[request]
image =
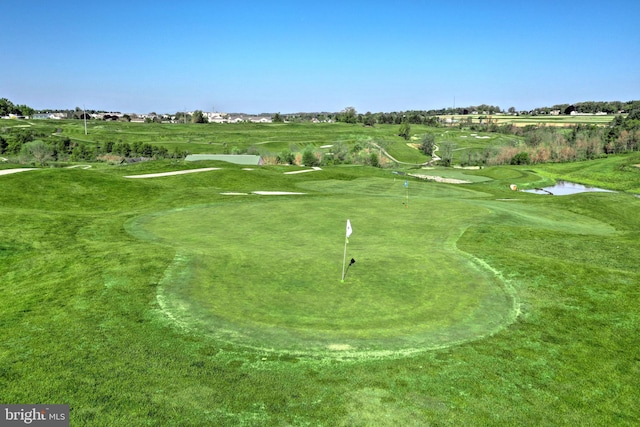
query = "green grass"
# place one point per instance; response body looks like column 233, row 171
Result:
column 616, row 172
column 216, row 138
column 162, row 302
column 282, row 287
column 269, row 139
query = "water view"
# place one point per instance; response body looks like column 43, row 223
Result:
column 563, row 188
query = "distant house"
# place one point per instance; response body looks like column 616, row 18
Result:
column 236, row 119
column 44, row 116
column 261, row 119
column 239, row 159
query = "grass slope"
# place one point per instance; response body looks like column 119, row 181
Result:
column 82, row 324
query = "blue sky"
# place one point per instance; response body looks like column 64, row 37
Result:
column 254, row 57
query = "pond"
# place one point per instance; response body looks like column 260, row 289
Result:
column 563, row 188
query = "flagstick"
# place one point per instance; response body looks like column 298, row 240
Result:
column 344, row 260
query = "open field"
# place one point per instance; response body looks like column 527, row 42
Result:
column 165, row 301
column 545, row 119
column 272, row 139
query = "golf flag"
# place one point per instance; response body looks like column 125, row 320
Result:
column 406, row 186
column 346, row 240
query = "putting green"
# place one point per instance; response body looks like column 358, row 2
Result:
column 265, row 273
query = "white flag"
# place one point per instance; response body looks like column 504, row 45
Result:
column 349, row 230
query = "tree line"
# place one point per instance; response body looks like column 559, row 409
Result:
column 37, row 147
column 543, row 144
column 432, row 117
column 349, row 114
column 7, row 107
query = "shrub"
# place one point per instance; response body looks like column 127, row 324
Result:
column 286, row 157
column 373, row 160
column 522, row 158
column 309, row 157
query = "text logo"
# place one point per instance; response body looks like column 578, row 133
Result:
column 34, row 415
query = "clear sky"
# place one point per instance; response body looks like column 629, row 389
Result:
column 293, row 56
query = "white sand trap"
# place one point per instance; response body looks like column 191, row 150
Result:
column 155, row 175
column 275, row 193
column 483, row 137
column 247, row 169
column 313, row 169
column 440, row 179
column 302, row 171
column 234, row 194
column 79, row 166
column 326, row 146
column 8, row 171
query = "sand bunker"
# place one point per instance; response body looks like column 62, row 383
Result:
column 8, row 171
column 313, row 169
column 441, row 179
column 182, row 172
column 261, row 193
column 275, row 193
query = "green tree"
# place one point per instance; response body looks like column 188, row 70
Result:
column 277, row 118
column 368, row 119
column 521, row 158
column 82, row 152
column 25, row 135
column 427, row 144
column 405, row 130
column 63, row 147
column 3, row 145
column 6, row 107
column 447, row 148
column 348, row 115
column 199, row 117
column 25, row 110
column 38, row 150
column 309, row 157
column 286, row 157
column 374, row 160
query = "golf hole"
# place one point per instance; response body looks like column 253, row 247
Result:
column 267, row 275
